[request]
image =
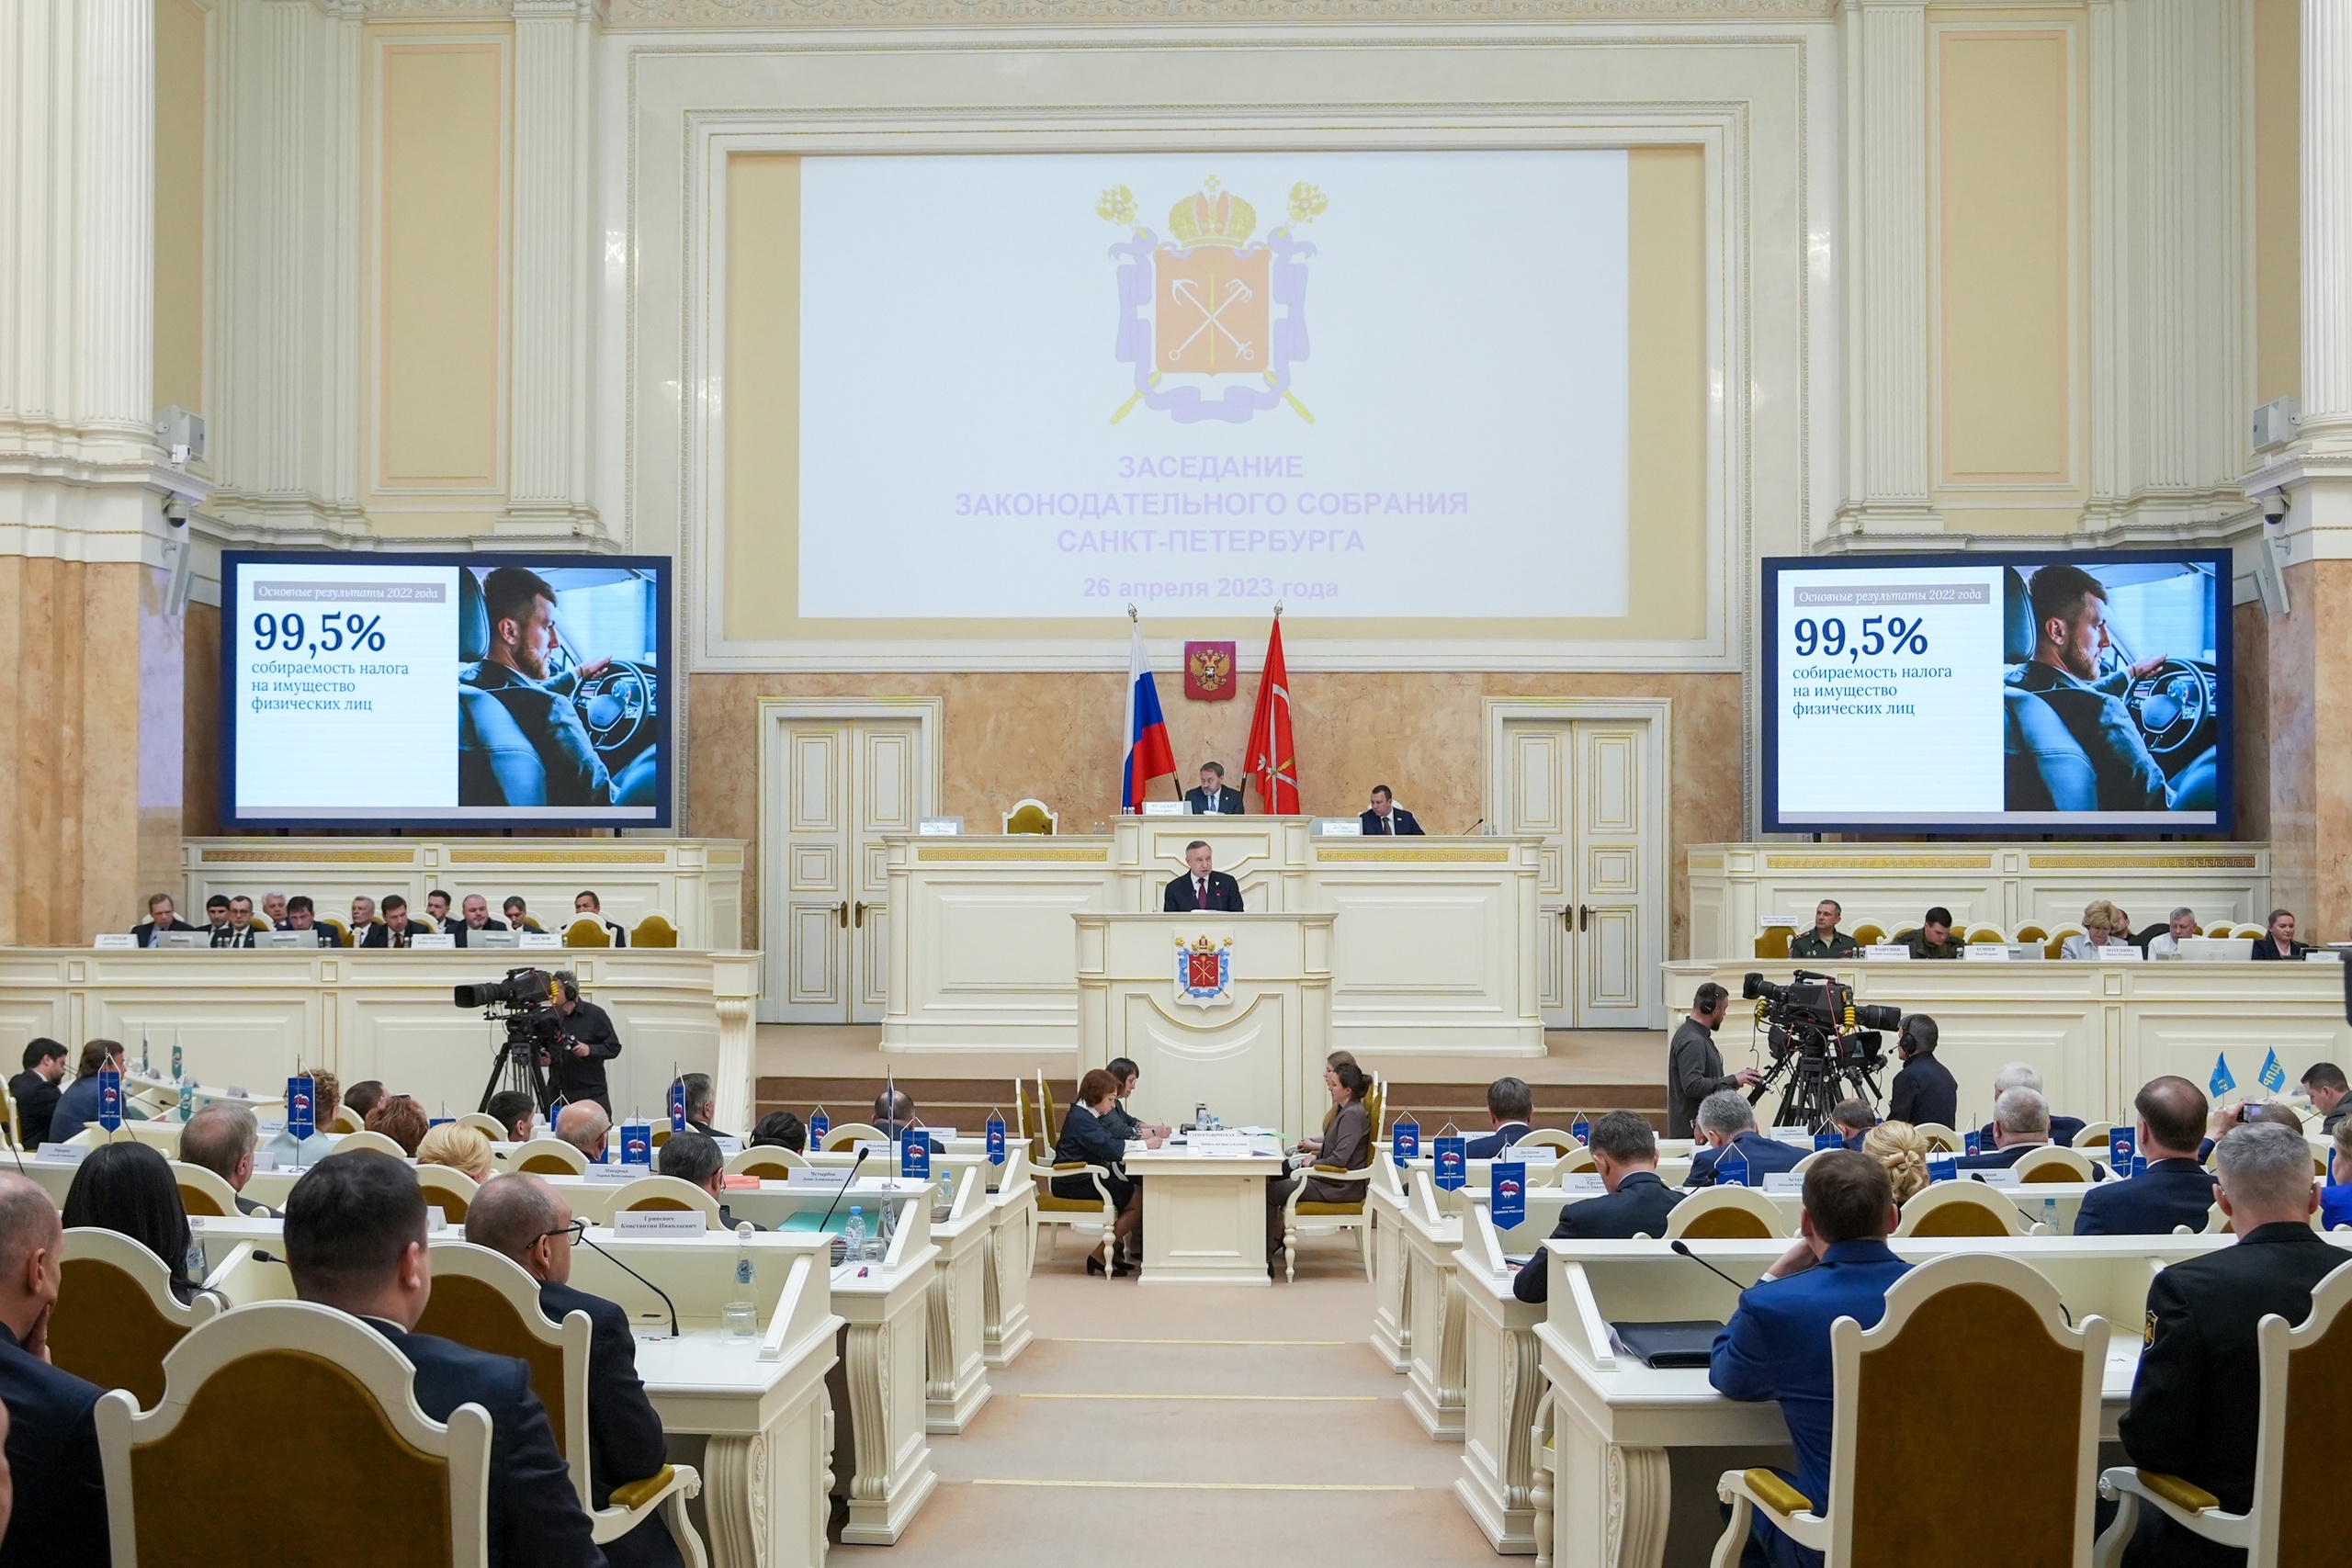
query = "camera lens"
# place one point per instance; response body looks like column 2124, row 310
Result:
column 1878, row 1017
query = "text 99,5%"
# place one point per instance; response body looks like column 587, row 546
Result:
column 335, row 633
column 1880, row 634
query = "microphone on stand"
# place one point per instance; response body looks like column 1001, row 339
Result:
column 642, row 1280
column 1679, row 1246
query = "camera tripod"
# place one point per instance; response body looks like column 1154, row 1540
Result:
column 515, row 1066
column 1817, row 1084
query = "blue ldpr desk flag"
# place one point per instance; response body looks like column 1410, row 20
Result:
column 2273, row 1076
column 2222, row 1082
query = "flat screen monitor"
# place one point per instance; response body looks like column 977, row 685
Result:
column 445, row 691
column 2028, row 692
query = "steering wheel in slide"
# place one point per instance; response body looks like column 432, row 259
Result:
column 2171, row 705
column 613, row 703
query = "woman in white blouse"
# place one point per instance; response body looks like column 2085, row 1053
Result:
column 2102, row 923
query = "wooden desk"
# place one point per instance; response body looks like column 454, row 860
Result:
column 1010, row 1249
column 1204, row 1216
column 1612, row 1421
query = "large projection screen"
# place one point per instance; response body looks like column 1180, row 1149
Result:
column 2077, row 691
column 1370, row 385
column 445, row 691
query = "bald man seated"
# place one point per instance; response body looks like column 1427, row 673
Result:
column 528, row 1220
column 583, row 1125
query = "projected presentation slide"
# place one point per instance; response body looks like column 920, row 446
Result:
column 1364, row 384
column 446, row 690
column 1981, row 693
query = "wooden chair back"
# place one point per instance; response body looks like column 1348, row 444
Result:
column 116, row 1318
column 654, row 930
column 203, row 1193
column 488, row 1301
column 1961, row 1208
column 1715, row 1213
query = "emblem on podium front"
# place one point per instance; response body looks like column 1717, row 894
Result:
column 1204, row 971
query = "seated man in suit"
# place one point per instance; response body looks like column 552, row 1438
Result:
column 2021, row 1074
column 894, row 1111
column 395, row 929
column 1777, row 1345
column 1201, row 887
column 518, row 914
column 477, row 918
column 35, row 1089
column 1510, row 1106
column 160, row 918
column 362, row 921
column 589, row 904
column 695, row 1159
column 1727, row 1121
column 301, row 915
column 78, row 1106
column 216, row 921
column 2195, row 1408
column 2324, row 1086
column 2180, row 927
column 1624, row 1150
column 512, row 1111
column 60, row 1513
column 1387, row 818
column 354, row 1241
column 222, row 1138
column 586, row 1126
column 1853, row 1120
column 1213, row 799
column 2175, row 1190
column 2021, row 1121
column 702, row 1100
column 524, row 1218
column 2279, row 941
column 363, row 1097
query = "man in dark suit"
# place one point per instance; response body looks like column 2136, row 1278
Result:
column 78, row 1106
column 241, row 930
column 60, row 1514
column 1925, row 1089
column 354, row 1241
column 222, row 1138
column 301, row 915
column 1777, row 1345
column 36, row 1090
column 1388, row 820
column 477, row 918
column 1853, row 1121
column 1213, row 799
column 2021, row 1123
column 216, row 921
column 2022, row 1075
column 1201, row 887
column 2175, row 1190
column 2195, row 1403
column 1624, row 1150
column 528, row 1221
column 2324, row 1086
column 696, row 1160
column 1727, row 1121
column 894, row 1112
column 702, row 1100
column 1510, row 1104
column 2279, row 942
column 578, row 1059
column 160, row 918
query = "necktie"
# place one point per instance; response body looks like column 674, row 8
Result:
column 1201, row 892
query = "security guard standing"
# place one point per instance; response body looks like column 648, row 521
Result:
column 576, row 1061
column 1824, row 941
column 2196, row 1403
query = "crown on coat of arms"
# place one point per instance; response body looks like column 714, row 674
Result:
column 1212, row 217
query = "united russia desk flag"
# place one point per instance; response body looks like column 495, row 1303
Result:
column 1148, row 755
column 1271, row 761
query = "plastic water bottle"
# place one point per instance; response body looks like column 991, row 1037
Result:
column 853, row 1235
column 195, row 1253
column 2050, row 1216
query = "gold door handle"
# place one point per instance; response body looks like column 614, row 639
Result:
column 1584, row 918
column 1569, row 917
column 841, row 912
column 861, row 915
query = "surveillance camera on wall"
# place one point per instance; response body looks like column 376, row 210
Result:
column 2274, row 504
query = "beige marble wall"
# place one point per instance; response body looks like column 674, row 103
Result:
column 1055, row 737
column 91, row 747
column 2308, row 669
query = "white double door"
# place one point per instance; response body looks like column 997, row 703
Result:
column 1589, row 787
column 826, row 918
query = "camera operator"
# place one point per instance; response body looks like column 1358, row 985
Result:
column 1694, row 1068
column 1925, row 1089
column 586, row 1042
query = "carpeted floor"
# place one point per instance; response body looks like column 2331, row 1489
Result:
column 1183, row 1425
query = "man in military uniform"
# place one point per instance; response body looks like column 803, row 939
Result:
column 1934, row 938
column 2196, row 1403
column 521, row 605
column 1824, row 941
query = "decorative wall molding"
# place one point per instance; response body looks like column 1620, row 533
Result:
column 666, row 14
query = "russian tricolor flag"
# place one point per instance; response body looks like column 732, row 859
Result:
column 1148, row 755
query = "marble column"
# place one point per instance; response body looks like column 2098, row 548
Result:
column 90, row 717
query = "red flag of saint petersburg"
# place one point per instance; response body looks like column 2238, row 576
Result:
column 1148, row 755
column 1272, row 763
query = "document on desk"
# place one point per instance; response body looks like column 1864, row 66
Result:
column 1661, row 1346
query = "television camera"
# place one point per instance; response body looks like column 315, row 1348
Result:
column 524, row 1004
column 1824, row 1045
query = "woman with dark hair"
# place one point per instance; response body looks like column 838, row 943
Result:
column 781, row 1129
column 127, row 1188
column 1089, row 1137
column 1346, row 1144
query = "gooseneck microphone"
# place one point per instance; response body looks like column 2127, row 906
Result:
column 846, row 1185
column 1679, row 1247
column 642, row 1280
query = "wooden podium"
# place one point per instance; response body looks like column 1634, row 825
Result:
column 1252, row 1049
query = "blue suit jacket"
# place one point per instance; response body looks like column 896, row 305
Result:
column 76, row 1108
column 1490, row 1145
column 625, row 1439
column 2336, row 1206
column 1764, row 1156
column 61, row 1510
column 2171, row 1192
column 1777, row 1347
column 535, row 1516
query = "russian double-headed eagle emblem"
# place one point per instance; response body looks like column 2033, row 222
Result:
column 1210, row 300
